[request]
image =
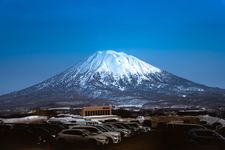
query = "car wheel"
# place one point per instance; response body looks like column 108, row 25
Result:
column 60, row 143
column 92, row 142
column 110, row 141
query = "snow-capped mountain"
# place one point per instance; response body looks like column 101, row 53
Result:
column 110, row 77
column 108, row 68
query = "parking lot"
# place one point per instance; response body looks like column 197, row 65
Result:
column 63, row 133
column 157, row 140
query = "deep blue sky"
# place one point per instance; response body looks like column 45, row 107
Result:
column 41, row 38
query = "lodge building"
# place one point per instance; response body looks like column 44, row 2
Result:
column 96, row 111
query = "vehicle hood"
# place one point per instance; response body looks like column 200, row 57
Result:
column 111, row 133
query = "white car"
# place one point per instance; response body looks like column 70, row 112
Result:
column 114, row 137
column 70, row 121
column 78, row 136
column 62, row 120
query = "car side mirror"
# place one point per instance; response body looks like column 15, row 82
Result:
column 84, row 135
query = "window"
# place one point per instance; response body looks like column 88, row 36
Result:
column 73, row 132
column 102, row 129
column 206, row 133
column 93, row 130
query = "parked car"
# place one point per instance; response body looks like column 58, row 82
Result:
column 124, row 132
column 114, row 137
column 180, row 130
column 221, row 131
column 43, row 135
column 81, row 136
column 57, row 127
column 119, row 128
column 51, row 130
column 66, row 121
column 205, row 136
column 184, row 126
column 133, row 130
column 141, row 128
column 19, row 136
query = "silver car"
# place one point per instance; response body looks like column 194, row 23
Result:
column 125, row 132
column 114, row 137
column 81, row 136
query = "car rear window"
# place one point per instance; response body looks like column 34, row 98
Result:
column 73, row 132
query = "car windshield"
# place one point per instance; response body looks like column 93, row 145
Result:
column 102, row 129
column 126, row 126
column 108, row 128
column 90, row 133
column 119, row 126
column 133, row 125
column 207, row 133
column 90, row 129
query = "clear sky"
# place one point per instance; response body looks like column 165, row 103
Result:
column 41, row 38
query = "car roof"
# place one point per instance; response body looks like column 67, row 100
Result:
column 186, row 124
column 176, row 123
column 74, row 130
column 193, row 130
column 80, row 126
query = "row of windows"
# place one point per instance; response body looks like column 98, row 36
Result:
column 97, row 112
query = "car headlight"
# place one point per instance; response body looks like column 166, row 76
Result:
column 114, row 136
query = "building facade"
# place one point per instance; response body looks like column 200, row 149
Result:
column 96, row 111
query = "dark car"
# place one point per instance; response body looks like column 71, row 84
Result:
column 182, row 128
column 205, row 136
column 133, row 130
column 179, row 131
column 221, row 131
column 43, row 135
column 19, row 136
column 142, row 129
column 52, row 130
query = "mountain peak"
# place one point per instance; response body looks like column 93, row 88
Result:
column 109, row 52
column 115, row 78
column 118, row 64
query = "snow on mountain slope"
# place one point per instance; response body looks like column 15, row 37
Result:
column 116, row 78
column 107, row 71
column 116, row 64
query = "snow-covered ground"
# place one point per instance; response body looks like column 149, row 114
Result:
column 28, row 119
